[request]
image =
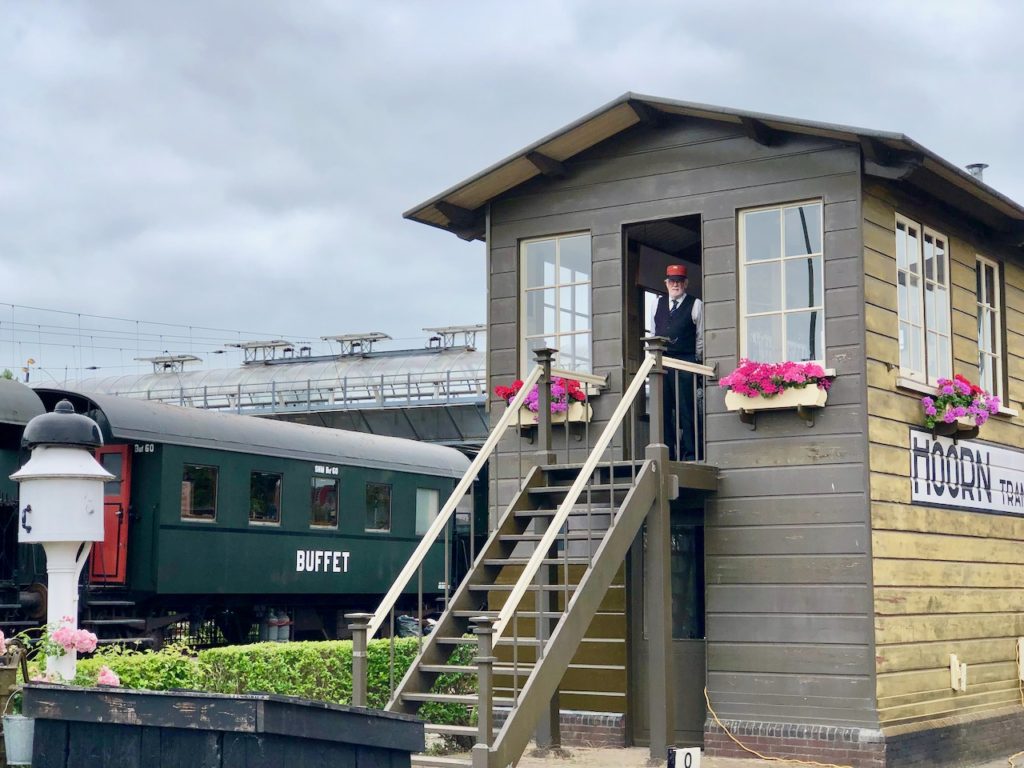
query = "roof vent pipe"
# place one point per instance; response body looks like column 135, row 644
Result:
column 977, row 170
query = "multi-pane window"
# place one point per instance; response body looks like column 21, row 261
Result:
column 556, row 300
column 428, row 504
column 990, row 364
column 922, row 280
column 323, row 503
column 198, row 493
column 265, row 497
column 378, row 507
column 783, row 289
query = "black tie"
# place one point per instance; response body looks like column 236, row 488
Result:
column 675, row 305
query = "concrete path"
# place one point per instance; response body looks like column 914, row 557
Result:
column 637, row 757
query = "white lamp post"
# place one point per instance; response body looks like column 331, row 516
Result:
column 61, row 507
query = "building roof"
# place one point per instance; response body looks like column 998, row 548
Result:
column 888, row 155
column 145, row 421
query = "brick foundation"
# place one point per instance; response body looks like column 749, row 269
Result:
column 958, row 740
column 857, row 747
column 585, row 729
column 961, row 740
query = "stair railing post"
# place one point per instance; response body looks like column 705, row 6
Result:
column 484, row 631
column 658, row 575
column 656, row 347
column 544, row 455
column 549, row 733
column 359, row 623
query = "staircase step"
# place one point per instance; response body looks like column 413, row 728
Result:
column 494, row 614
column 547, row 490
column 448, row 669
column 450, row 730
column 472, row 641
column 437, row 761
column 578, row 514
column 454, row 698
column 500, row 561
column 109, row 603
column 572, row 536
column 125, row 641
column 510, row 587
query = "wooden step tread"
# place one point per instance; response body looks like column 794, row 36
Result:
column 448, row 669
column 542, row 490
column 498, row 561
column 510, row 587
column 438, row 761
column 572, row 536
column 450, row 730
column 494, row 614
column 454, row 698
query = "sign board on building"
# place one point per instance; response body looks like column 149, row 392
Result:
column 965, row 474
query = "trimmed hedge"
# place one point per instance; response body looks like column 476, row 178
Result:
column 320, row 671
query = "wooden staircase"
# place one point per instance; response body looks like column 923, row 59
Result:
column 574, row 576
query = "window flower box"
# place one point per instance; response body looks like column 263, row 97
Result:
column 568, row 402
column 575, row 412
column 958, row 409
column 757, row 387
column 790, row 399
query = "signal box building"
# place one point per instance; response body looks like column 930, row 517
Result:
column 849, row 584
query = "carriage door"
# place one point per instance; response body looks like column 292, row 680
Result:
column 109, row 557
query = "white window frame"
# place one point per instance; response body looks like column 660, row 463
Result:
column 525, row 361
column 921, row 321
column 992, row 304
column 742, row 274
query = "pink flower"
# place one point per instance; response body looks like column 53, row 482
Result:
column 85, row 641
column 107, row 676
column 64, row 636
column 3, row 644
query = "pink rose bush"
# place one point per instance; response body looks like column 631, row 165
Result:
column 107, row 676
column 61, row 638
column 958, row 398
column 768, row 379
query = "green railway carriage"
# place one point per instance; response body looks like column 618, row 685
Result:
column 237, row 519
column 18, row 404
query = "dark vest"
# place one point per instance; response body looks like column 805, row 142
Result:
column 678, row 327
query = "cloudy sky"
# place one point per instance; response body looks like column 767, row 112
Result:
column 244, row 165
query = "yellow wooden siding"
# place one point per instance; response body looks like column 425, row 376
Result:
column 946, row 581
column 596, row 678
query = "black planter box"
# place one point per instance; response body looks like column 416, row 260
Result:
column 115, row 727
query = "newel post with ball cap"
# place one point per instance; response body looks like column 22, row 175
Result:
column 61, row 507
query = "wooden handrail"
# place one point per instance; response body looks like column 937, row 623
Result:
column 601, row 382
column 546, row 542
column 683, row 365
column 427, row 541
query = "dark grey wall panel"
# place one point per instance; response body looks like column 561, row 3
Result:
column 795, row 569
column 802, row 658
column 773, row 598
column 787, row 566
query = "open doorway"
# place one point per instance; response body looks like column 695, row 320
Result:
column 649, row 247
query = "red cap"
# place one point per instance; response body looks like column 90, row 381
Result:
column 675, row 272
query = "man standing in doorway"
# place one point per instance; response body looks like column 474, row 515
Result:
column 679, row 317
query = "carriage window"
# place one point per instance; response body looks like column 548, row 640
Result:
column 265, row 497
column 113, row 463
column 378, row 507
column 198, row 493
column 427, row 505
column 324, row 503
